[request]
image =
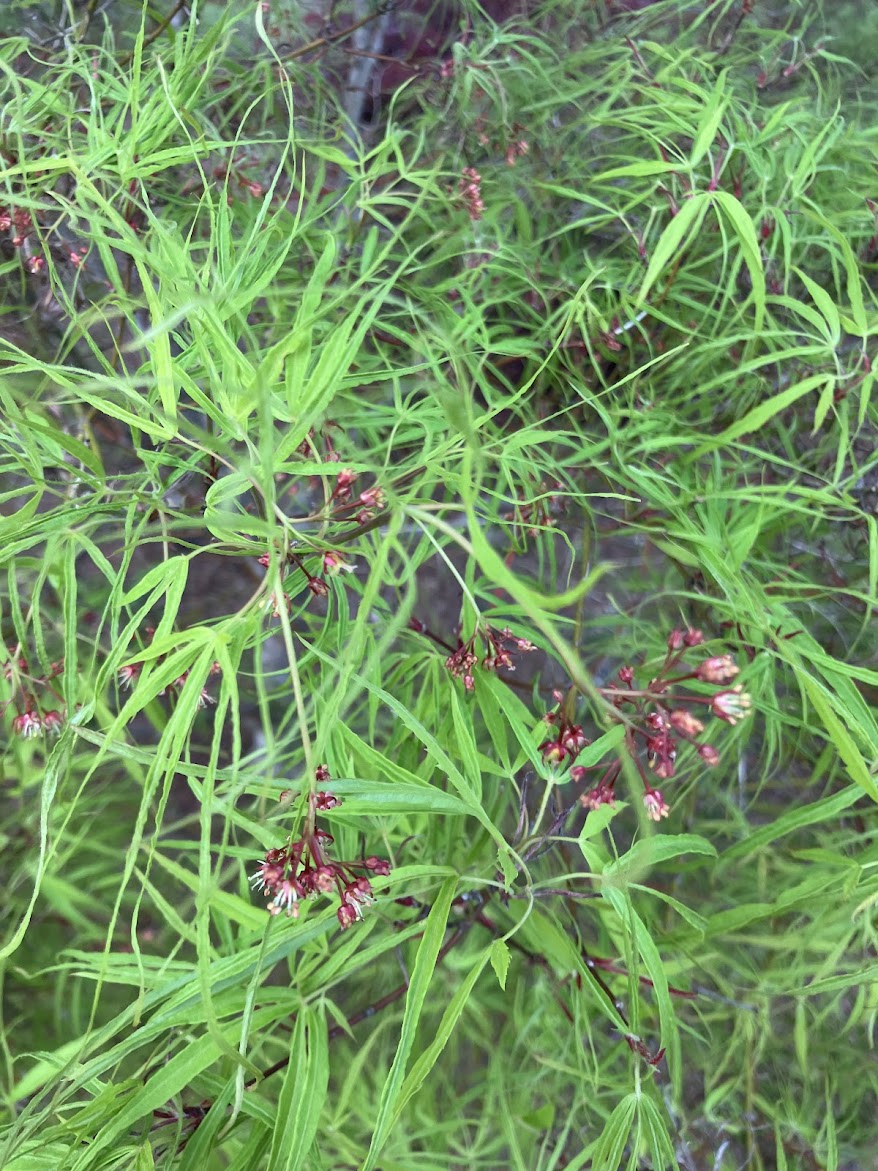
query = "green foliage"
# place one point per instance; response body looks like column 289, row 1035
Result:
column 305, row 418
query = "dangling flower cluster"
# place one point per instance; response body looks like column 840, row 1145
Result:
column 369, row 501
column 658, row 723
column 343, row 505
column 19, row 223
column 303, row 869
column 32, row 698
column 463, row 661
column 499, row 645
column 279, row 600
column 469, row 188
column 568, row 741
column 372, row 501
column 332, row 563
column 344, row 482
column 22, row 226
column 130, row 673
column 516, row 149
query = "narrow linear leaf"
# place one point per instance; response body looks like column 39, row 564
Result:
column 671, row 243
column 302, row 1094
column 745, row 230
column 652, row 961
column 173, row 1077
column 648, row 852
column 841, row 738
column 422, row 976
column 425, row 1063
column 760, row 415
column 614, row 1139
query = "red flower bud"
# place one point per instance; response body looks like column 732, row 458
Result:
column 346, row 915
column 685, row 723
column 719, row 669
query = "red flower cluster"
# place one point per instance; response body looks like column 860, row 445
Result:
column 369, row 501
column 516, row 150
column 469, row 188
column 500, row 645
column 567, row 744
column 656, row 721
column 21, row 227
column 303, row 869
column 332, row 564
column 36, row 714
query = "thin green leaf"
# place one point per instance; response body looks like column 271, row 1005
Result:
column 421, row 978
column 673, row 241
column 303, row 1093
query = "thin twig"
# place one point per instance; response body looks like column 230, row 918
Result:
column 330, row 38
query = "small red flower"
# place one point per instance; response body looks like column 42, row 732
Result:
column 347, row 916
column 598, row 796
column 271, row 871
column 53, row 723
column 359, row 892
column 553, row 751
column 372, row 497
column 656, row 806
column 685, row 723
column 732, row 705
column 334, row 563
column 129, row 673
column 28, row 725
column 324, row 801
column 708, row 754
column 204, row 700
column 574, row 739
column 719, row 669
column 288, row 892
column 323, row 880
